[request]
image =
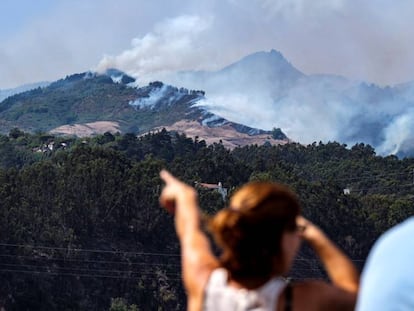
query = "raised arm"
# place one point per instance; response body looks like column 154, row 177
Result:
column 339, row 267
column 197, row 258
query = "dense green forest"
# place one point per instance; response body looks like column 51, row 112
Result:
column 81, row 227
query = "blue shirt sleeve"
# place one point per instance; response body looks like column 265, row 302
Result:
column 387, row 281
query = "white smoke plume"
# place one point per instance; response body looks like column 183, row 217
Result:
column 264, row 91
column 175, row 44
column 399, row 136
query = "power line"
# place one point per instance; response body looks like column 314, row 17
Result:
column 111, row 262
column 89, row 261
column 126, row 263
column 81, row 275
column 90, row 250
column 72, row 269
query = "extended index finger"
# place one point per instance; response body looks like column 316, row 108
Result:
column 166, row 176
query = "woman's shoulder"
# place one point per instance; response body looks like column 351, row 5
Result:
column 300, row 295
column 318, row 295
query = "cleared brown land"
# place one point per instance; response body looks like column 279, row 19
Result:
column 226, row 134
column 87, row 129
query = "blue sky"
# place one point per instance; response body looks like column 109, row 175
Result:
column 44, row 40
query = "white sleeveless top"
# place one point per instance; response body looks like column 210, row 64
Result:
column 220, row 296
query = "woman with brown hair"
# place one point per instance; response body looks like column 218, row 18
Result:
column 259, row 235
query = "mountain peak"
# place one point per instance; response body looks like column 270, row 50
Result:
column 264, row 56
column 276, row 55
column 269, row 64
column 272, row 54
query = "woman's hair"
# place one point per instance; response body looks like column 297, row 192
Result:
column 250, row 230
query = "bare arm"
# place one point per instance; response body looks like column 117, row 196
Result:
column 339, row 267
column 319, row 295
column 197, row 258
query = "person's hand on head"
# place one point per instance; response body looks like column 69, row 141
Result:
column 309, row 231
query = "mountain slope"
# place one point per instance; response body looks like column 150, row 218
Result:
column 89, row 103
column 261, row 91
column 9, row 92
column 256, row 72
column 77, row 98
column 264, row 90
column 228, row 134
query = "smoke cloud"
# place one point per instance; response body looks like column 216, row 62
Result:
column 175, row 44
column 321, row 36
column 359, row 39
column 264, row 91
column 398, row 135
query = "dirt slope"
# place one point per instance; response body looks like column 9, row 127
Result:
column 87, row 129
column 227, row 134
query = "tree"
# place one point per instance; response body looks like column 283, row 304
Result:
column 120, row 304
column 15, row 133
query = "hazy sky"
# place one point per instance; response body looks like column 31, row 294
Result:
column 45, row 40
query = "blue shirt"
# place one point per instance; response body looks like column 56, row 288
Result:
column 387, row 281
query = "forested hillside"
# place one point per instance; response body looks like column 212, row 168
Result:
column 81, row 227
column 89, row 97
